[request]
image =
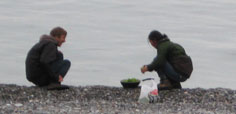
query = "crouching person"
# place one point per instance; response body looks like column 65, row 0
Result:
column 172, row 63
column 45, row 65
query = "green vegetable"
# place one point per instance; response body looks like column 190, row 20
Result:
column 131, row 80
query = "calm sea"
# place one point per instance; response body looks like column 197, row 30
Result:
column 107, row 39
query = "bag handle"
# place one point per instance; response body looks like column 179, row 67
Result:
column 148, row 79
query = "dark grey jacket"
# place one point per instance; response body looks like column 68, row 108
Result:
column 39, row 58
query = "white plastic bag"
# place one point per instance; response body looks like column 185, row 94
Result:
column 149, row 91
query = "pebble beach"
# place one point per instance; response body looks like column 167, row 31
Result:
column 113, row 100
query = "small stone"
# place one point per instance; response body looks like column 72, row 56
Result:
column 18, row 104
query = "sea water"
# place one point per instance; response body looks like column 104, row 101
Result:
column 107, row 39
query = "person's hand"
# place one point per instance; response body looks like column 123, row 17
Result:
column 60, row 78
column 144, row 69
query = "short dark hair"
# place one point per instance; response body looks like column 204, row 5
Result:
column 156, row 35
column 58, row 31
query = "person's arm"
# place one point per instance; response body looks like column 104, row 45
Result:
column 48, row 55
column 160, row 60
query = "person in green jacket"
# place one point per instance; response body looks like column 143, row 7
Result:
column 172, row 63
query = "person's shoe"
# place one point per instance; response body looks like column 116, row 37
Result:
column 176, row 85
column 165, row 85
column 57, row 86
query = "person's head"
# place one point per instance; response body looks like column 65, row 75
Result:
column 155, row 36
column 59, row 34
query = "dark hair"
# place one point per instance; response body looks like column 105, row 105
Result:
column 156, row 35
column 58, row 31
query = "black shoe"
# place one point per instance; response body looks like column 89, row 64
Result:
column 177, row 85
column 57, row 86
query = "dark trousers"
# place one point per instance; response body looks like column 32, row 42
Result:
column 168, row 72
column 59, row 67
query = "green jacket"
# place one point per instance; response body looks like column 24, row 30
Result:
column 169, row 51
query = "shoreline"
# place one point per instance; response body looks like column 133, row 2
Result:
column 107, row 99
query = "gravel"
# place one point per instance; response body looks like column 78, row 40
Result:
column 113, row 100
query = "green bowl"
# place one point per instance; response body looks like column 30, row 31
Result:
column 130, row 84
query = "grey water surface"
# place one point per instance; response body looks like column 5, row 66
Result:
column 107, row 39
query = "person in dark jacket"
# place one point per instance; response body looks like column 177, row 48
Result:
column 45, row 65
column 172, row 63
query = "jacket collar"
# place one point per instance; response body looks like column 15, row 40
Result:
column 48, row 38
column 162, row 40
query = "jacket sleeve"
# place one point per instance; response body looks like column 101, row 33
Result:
column 48, row 55
column 159, row 60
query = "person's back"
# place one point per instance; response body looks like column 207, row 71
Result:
column 45, row 65
column 35, row 59
column 173, row 49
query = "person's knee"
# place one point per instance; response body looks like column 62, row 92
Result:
column 67, row 63
column 60, row 56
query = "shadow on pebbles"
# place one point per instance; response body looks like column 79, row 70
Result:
column 113, row 100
